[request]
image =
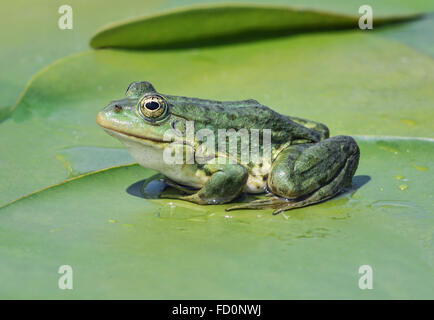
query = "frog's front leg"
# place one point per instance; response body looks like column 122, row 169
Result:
column 309, row 173
column 225, row 183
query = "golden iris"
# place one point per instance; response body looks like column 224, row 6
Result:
column 152, row 106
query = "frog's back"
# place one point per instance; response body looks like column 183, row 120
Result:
column 249, row 114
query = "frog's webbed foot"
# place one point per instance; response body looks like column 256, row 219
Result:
column 282, row 204
column 269, row 203
column 273, row 202
column 307, row 174
column 186, row 195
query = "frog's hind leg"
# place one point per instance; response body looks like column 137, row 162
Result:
column 320, row 128
column 309, row 173
column 312, row 173
column 326, row 192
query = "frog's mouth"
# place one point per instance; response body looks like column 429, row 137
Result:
column 123, row 135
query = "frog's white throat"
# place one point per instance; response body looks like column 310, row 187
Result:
column 149, row 154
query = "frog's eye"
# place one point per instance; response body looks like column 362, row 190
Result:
column 152, row 107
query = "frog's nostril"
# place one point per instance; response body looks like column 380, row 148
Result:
column 117, row 108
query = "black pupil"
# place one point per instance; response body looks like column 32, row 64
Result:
column 152, row 105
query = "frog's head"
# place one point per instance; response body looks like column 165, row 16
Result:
column 143, row 116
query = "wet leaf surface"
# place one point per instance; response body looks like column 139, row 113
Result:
column 89, row 212
column 355, row 86
column 124, row 246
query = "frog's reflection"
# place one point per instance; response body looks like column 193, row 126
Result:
column 149, row 188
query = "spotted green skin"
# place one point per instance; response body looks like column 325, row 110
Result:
column 306, row 166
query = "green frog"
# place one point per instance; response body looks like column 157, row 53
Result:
column 303, row 165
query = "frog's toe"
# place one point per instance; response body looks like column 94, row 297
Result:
column 190, row 198
column 270, row 202
column 289, row 206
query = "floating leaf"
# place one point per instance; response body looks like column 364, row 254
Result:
column 219, row 24
column 35, row 40
column 359, row 84
column 123, row 246
column 417, row 34
column 23, row 56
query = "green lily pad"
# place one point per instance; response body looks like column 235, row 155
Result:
column 21, row 56
column 35, row 40
column 355, row 86
column 416, row 34
column 123, row 246
column 220, row 24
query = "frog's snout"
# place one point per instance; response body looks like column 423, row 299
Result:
column 103, row 118
column 99, row 117
column 116, row 114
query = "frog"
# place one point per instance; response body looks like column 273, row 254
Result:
column 304, row 166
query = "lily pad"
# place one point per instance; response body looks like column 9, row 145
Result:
column 21, row 56
column 416, row 34
column 220, row 24
column 123, row 246
column 88, row 213
column 354, row 82
column 35, row 40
